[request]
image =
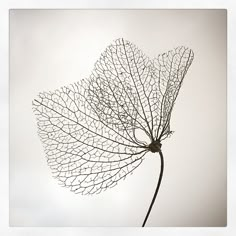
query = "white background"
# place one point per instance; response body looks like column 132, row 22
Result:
column 117, row 231
column 49, row 49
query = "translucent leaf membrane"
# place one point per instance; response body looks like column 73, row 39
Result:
column 170, row 69
column 89, row 129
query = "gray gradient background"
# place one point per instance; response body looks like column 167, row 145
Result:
column 49, row 49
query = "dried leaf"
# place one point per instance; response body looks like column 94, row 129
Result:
column 90, row 129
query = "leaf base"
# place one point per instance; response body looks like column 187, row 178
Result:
column 155, row 146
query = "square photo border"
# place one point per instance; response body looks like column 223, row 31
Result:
column 231, row 113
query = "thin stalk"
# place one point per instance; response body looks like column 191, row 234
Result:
column 157, row 188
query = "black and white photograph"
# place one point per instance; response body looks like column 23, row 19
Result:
column 118, row 117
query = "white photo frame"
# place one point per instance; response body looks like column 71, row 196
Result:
column 229, row 230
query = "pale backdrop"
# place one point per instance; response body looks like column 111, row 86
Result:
column 49, row 49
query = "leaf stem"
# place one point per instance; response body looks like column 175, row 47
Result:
column 157, row 188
